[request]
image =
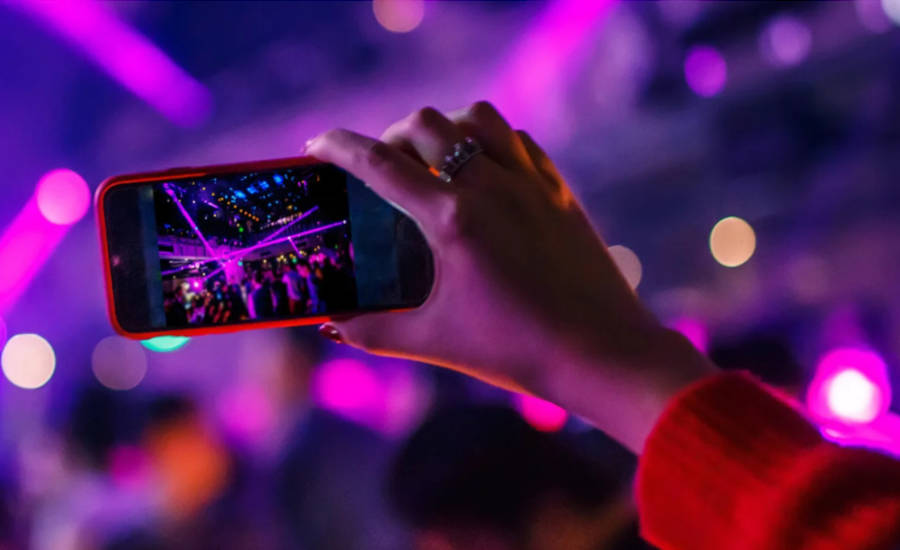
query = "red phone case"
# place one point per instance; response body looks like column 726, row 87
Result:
column 160, row 175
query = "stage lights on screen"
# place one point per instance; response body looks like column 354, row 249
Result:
column 28, row 361
column 119, row 363
column 705, row 70
column 165, row 343
column 732, row 241
column 399, row 16
column 628, row 263
column 63, row 197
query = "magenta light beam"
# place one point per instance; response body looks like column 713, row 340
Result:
column 25, row 246
column 529, row 89
column 126, row 55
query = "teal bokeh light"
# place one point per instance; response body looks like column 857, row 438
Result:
column 165, row 343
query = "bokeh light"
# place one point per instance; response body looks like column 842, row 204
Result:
column 705, row 70
column 892, row 10
column 852, row 396
column 28, row 361
column 246, row 412
column 399, row 15
column 785, row 41
column 63, row 197
column 165, row 343
column 851, row 385
column 872, row 15
column 542, row 415
column 348, row 387
column 732, row 241
column 694, row 330
column 628, row 263
column 119, row 363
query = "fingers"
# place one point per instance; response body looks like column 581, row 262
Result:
column 482, row 121
column 427, row 132
column 389, row 172
column 539, row 158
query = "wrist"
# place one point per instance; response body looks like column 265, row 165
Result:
column 623, row 391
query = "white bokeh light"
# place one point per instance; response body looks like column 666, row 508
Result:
column 852, row 396
column 28, row 361
column 892, row 10
column 628, row 263
column 399, row 15
column 732, row 241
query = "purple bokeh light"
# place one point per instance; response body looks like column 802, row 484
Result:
column 705, row 70
column 785, row 41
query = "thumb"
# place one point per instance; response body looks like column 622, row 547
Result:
column 388, row 333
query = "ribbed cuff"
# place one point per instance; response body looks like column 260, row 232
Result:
column 723, row 437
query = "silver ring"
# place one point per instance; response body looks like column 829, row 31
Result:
column 463, row 151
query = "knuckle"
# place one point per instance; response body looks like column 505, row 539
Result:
column 426, row 118
column 376, row 155
column 483, row 110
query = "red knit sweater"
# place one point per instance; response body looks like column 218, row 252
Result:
column 729, row 466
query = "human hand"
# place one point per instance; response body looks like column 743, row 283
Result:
column 526, row 295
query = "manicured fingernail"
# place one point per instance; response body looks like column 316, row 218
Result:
column 333, row 334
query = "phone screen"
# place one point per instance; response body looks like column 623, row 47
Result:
column 247, row 247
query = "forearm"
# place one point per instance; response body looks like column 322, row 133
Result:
column 624, row 393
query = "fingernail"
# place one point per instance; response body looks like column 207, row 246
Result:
column 307, row 144
column 333, row 334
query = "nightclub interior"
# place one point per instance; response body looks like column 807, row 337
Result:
column 740, row 159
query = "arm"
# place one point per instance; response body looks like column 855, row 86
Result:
column 534, row 303
column 729, row 465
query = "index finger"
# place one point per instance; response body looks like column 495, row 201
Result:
column 391, row 173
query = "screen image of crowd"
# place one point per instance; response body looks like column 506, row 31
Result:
column 267, row 245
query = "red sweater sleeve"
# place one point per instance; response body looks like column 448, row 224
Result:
column 729, row 466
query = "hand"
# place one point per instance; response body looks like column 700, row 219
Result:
column 526, row 295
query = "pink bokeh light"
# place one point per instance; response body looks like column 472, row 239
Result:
column 705, row 70
column 126, row 55
column 63, row 197
column 349, row 388
column 542, row 415
column 694, row 330
column 851, row 386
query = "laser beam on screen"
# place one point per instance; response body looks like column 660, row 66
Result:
column 239, row 254
column 224, row 259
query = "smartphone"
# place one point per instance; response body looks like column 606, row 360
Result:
column 273, row 243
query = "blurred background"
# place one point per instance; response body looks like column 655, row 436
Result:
column 740, row 157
